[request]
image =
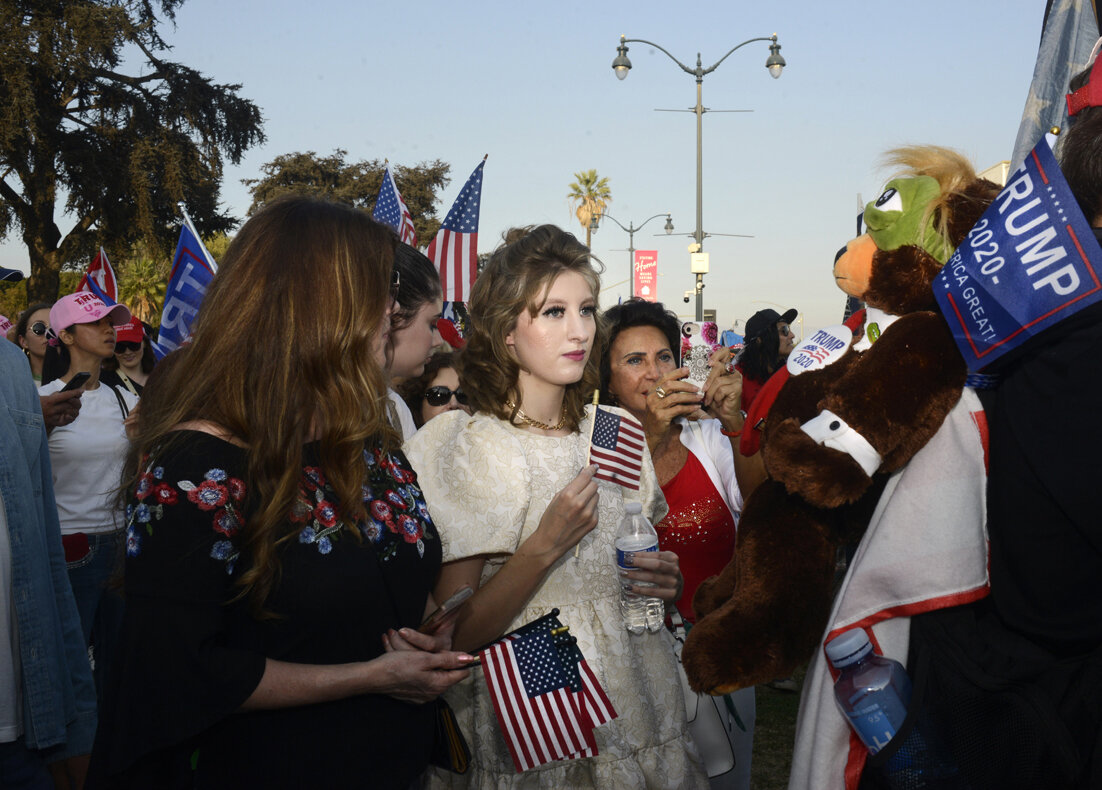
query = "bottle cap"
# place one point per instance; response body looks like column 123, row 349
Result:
column 632, row 508
column 849, row 648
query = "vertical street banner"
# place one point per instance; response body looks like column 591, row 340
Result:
column 645, row 273
column 1030, row 262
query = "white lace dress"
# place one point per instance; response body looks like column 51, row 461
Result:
column 487, row 484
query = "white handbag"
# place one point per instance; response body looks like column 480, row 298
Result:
column 706, row 716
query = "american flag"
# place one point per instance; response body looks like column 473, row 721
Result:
column 617, row 448
column 589, row 695
column 535, row 705
column 102, row 276
column 455, row 248
column 391, row 210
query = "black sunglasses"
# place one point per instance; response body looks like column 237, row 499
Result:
column 439, row 395
column 126, row 345
column 39, row 328
column 395, row 285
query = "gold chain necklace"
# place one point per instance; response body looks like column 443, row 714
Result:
column 524, row 418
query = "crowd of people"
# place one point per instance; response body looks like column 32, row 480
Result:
column 216, row 570
column 263, row 567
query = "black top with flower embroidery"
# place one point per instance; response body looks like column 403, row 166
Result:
column 190, row 653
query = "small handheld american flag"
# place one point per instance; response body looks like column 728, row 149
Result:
column 617, row 448
column 547, row 699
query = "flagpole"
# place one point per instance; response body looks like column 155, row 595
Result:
column 191, row 227
column 589, row 449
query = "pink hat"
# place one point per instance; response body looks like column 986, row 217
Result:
column 5, row 324
column 84, row 307
column 131, row 331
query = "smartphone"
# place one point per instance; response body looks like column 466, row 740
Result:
column 77, row 381
column 457, row 599
column 698, row 341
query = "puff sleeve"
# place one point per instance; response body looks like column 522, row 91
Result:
column 475, row 481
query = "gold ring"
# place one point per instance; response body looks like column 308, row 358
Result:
column 661, row 393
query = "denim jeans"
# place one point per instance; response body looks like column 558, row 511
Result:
column 22, row 769
column 100, row 609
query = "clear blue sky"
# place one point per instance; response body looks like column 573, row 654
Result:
column 531, row 84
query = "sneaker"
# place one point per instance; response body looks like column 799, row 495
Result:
column 784, row 684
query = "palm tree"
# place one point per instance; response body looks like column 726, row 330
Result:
column 590, row 196
column 143, row 279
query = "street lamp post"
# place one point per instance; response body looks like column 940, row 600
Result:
column 775, row 63
column 594, row 223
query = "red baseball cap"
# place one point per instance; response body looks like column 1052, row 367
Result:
column 131, row 331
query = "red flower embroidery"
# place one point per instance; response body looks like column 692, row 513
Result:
column 208, row 495
column 381, row 510
column 237, row 488
column 145, row 486
column 164, row 494
column 325, row 514
column 225, row 522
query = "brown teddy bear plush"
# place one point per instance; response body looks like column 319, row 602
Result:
column 834, row 434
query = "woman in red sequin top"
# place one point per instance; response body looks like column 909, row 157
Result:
column 692, row 440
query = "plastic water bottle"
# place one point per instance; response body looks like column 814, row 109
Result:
column 636, row 535
column 872, row 691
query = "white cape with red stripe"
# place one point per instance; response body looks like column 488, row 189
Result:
column 925, row 549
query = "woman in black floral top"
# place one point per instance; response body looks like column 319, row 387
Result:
column 279, row 551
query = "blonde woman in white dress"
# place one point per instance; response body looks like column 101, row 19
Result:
column 523, row 521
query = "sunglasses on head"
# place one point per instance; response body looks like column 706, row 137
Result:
column 439, row 395
column 39, row 328
column 126, row 345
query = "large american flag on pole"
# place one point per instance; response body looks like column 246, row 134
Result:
column 617, row 448
column 102, row 276
column 391, row 210
column 455, row 248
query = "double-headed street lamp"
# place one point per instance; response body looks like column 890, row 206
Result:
column 594, row 223
column 621, row 65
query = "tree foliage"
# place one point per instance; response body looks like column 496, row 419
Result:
column 354, row 183
column 114, row 145
column 590, row 196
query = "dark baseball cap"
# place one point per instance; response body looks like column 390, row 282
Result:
column 12, row 275
column 763, row 320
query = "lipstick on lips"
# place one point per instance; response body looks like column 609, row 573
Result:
column 577, row 356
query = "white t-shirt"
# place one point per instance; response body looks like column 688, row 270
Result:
column 405, row 417
column 87, row 457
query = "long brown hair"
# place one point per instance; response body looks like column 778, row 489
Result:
column 517, row 278
column 283, row 351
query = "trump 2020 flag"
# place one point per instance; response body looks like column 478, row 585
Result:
column 1031, row 261
column 455, row 248
column 100, row 279
column 534, row 703
column 617, row 448
column 192, row 272
column 391, row 210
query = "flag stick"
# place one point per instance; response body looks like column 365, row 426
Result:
column 195, row 233
column 589, row 449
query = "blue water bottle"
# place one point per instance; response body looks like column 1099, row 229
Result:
column 872, row 691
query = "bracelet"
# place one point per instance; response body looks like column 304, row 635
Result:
column 738, row 433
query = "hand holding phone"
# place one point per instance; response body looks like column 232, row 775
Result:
column 457, row 599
